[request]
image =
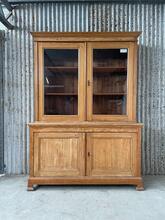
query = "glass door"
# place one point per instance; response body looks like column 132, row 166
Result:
column 61, row 76
column 110, row 82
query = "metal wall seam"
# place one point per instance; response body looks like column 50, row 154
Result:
column 87, row 16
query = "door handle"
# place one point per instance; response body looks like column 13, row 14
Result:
column 89, row 82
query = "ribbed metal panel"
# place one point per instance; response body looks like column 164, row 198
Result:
column 1, row 101
column 18, row 77
column 110, row 1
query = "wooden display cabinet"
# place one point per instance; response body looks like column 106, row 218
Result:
column 85, row 129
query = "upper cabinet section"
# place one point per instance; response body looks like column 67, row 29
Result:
column 85, row 76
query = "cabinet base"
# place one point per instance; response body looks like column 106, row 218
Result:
column 33, row 182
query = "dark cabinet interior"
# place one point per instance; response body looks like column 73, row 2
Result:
column 109, row 81
column 61, row 81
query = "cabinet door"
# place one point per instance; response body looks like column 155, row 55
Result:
column 111, row 81
column 59, row 154
column 62, row 81
column 111, row 154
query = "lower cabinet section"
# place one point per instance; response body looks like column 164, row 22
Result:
column 88, row 156
column 59, row 154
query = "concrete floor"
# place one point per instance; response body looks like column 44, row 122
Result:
column 82, row 202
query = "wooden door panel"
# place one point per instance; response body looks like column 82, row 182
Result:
column 61, row 95
column 111, row 154
column 60, row 154
column 111, row 97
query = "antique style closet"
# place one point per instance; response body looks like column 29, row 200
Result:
column 85, row 129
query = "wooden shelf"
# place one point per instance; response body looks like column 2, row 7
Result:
column 96, row 94
column 109, row 94
column 74, row 69
column 61, row 94
column 107, row 69
column 64, row 69
column 54, row 86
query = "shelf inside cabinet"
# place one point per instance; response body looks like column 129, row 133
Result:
column 66, row 69
column 109, row 104
column 61, row 94
column 110, row 94
column 108, row 69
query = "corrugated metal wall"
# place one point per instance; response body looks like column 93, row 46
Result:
column 1, row 101
column 18, row 76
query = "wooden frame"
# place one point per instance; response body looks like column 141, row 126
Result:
column 75, row 136
column 39, row 105
column 131, row 78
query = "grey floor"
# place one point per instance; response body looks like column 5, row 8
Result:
column 82, row 202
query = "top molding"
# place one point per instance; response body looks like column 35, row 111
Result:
column 85, row 36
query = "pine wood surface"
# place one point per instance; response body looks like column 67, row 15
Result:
column 91, row 146
column 108, row 152
column 85, row 36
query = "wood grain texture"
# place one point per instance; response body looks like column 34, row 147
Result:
column 59, row 154
column 85, row 36
column 36, row 81
column 137, row 181
column 131, row 86
column 81, row 127
column 111, row 154
column 85, row 124
column 115, row 149
column 86, row 148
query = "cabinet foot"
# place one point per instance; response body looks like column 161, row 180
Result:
column 31, row 187
column 140, row 187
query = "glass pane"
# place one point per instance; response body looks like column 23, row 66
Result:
column 60, row 81
column 110, row 81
